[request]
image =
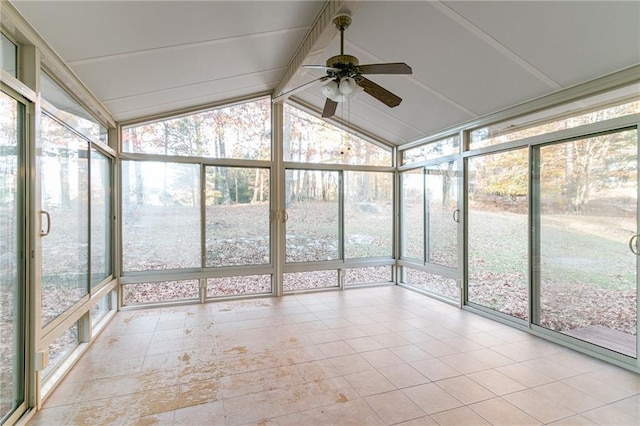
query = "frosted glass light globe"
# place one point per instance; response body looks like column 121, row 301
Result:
column 347, row 85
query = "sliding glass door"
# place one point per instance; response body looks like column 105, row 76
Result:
column 586, row 200
column 12, row 262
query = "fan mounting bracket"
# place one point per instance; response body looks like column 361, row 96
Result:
column 342, row 21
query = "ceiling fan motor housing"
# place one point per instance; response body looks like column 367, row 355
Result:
column 342, row 61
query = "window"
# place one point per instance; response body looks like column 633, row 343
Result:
column 308, row 139
column 368, row 214
column 12, row 267
column 547, row 121
column 240, row 131
column 497, row 251
column 431, row 150
column 412, row 215
column 69, row 110
column 160, row 216
column 163, row 291
column 100, row 217
column 61, row 348
column 64, row 191
column 8, row 56
column 237, row 216
column 313, row 215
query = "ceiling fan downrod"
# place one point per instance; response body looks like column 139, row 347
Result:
column 342, row 61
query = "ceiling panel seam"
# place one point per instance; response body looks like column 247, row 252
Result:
column 168, row 89
column 495, row 44
column 184, row 46
column 258, row 89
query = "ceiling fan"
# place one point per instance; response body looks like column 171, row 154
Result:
column 345, row 76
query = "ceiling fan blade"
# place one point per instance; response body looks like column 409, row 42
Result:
column 305, row 86
column 320, row 67
column 329, row 108
column 379, row 92
column 388, row 68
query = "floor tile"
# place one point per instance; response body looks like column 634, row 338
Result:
column 420, row 421
column 631, row 406
column 403, row 375
column 369, row 383
column 333, row 391
column 317, row 370
column 465, row 390
column 363, row 344
column 525, row 375
column 350, row 364
column 496, row 382
column 410, row 353
column 602, row 391
column 431, row 398
column 315, row 417
column 459, row 417
column 334, row 349
column 463, row 363
column 576, row 420
column 212, row 411
column 490, row 358
column 537, row 405
column 569, row 397
column 352, row 413
column 381, row 358
column 497, row 411
column 394, row 407
column 434, row 369
column 610, row 415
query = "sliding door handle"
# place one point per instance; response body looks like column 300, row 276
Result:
column 46, row 214
column 633, row 245
column 456, row 215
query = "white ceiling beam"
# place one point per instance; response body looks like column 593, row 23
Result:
column 315, row 42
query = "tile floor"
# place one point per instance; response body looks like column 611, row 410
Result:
column 373, row 356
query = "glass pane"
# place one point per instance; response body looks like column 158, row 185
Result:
column 69, row 110
column 441, row 192
column 64, row 177
column 60, row 348
column 308, row 139
column 368, row 214
column 239, row 131
column 588, row 203
column 437, row 284
column 246, row 284
column 163, row 291
column 313, row 215
column 160, row 216
column 497, row 234
column 8, row 56
column 529, row 125
column 435, row 149
column 100, row 217
column 412, row 215
column 12, row 353
column 100, row 309
column 237, row 216
column 294, row 281
column 367, row 275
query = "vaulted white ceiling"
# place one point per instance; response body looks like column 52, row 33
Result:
column 469, row 58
